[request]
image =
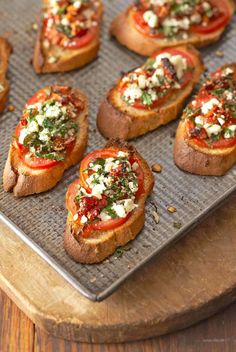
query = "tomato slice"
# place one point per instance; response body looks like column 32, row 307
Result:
column 141, row 25
column 216, row 23
column 95, row 226
column 38, row 163
column 82, row 40
column 38, row 97
column 185, row 80
column 72, row 191
column 107, row 153
column 70, row 197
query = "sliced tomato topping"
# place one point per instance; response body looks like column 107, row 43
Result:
column 38, row 163
column 81, row 40
column 70, row 196
column 138, row 104
column 216, row 23
column 141, row 25
column 38, row 97
column 73, row 191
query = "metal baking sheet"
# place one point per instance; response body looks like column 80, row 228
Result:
column 40, row 220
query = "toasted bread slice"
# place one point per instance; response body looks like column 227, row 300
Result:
column 201, row 161
column 116, row 119
column 101, row 244
column 64, row 59
column 5, row 52
column 23, row 180
column 123, row 28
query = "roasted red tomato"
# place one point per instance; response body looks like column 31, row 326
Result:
column 217, row 22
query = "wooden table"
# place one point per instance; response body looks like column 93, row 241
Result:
column 19, row 334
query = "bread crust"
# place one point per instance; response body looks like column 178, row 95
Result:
column 68, row 59
column 101, row 244
column 201, row 161
column 5, row 52
column 23, row 181
column 116, row 119
column 123, row 28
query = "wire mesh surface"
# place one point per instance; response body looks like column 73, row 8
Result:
column 42, row 217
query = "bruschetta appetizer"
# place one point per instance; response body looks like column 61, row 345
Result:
column 206, row 137
column 68, row 37
column 5, row 52
column 106, row 205
column 151, row 95
column 149, row 25
column 50, row 137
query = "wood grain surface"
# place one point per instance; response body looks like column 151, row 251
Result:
column 18, row 334
column 191, row 281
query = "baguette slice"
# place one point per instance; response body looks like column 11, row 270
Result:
column 65, row 59
column 5, row 52
column 200, row 160
column 116, row 119
column 23, row 180
column 101, row 244
column 124, row 30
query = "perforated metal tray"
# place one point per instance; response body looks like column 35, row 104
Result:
column 40, row 220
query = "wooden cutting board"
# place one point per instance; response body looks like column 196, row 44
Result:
column 190, row 281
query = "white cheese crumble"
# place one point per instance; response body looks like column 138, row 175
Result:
column 212, row 129
column 199, row 120
column 208, row 106
column 132, row 93
column 179, row 62
column 150, row 18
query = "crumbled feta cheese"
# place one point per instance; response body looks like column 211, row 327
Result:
column 39, row 119
column 221, row 120
column 230, row 132
column 122, row 154
column 75, row 217
column 132, row 93
column 150, row 18
column 227, row 71
column 135, row 166
column 229, row 95
column 212, row 129
column 104, row 216
column 32, row 127
column 23, row 134
column 53, row 111
column 208, row 106
column 206, row 6
column 196, row 18
column 179, row 62
column 129, row 205
column 142, row 81
column 120, row 210
column 184, row 23
column 84, row 219
column 199, row 120
column 98, row 190
column 133, row 187
column 65, row 22
column 77, row 4
column 44, row 136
